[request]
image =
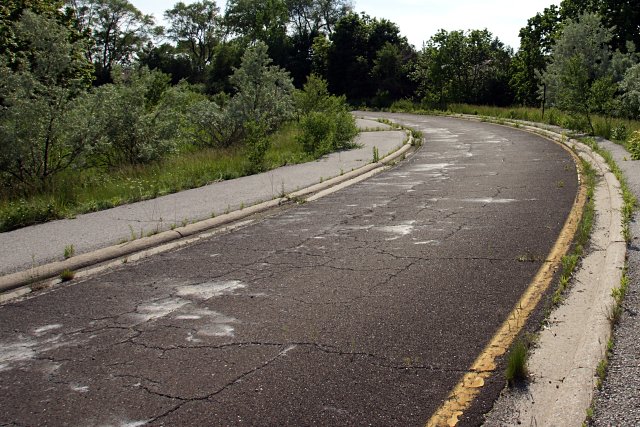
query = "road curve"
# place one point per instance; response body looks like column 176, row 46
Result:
column 363, row 307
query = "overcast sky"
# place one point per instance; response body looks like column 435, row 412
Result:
column 420, row 19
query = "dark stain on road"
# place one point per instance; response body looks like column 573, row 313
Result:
column 363, row 307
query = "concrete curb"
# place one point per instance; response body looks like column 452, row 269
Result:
column 564, row 386
column 51, row 270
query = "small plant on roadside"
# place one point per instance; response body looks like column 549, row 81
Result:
column 67, row 275
column 69, row 251
column 589, row 416
column 633, row 145
column 517, row 362
column 417, row 138
column 376, row 155
column 618, row 294
column 601, row 372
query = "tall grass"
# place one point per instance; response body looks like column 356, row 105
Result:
column 615, row 129
column 81, row 191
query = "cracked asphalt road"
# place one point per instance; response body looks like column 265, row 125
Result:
column 363, row 307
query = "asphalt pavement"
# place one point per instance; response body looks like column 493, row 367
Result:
column 362, row 307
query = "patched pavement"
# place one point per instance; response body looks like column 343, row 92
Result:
column 363, row 307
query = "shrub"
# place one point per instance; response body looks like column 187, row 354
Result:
column 402, row 106
column 325, row 132
column 257, row 143
column 125, row 120
column 619, row 132
column 315, row 96
column 633, row 145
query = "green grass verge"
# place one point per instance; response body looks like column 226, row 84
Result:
column 615, row 129
column 76, row 192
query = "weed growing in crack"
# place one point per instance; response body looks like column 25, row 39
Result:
column 517, row 363
column 583, row 234
column 618, row 295
column 132, row 233
column 376, row 155
column 69, row 251
column 601, row 372
column 629, row 200
column 67, row 275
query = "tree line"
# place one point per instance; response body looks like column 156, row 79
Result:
column 96, row 83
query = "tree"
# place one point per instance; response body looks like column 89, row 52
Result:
column 170, row 60
column 196, row 28
column 621, row 16
column 580, row 59
column 263, row 99
column 128, row 121
column 317, row 16
column 630, row 87
column 118, row 29
column 264, row 21
column 264, row 91
column 37, row 130
column 355, row 43
column 11, row 11
column 463, row 67
column 536, row 41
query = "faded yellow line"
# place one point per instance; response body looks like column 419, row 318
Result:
column 469, row 386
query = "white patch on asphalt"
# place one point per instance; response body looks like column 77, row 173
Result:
column 212, row 324
column 79, row 388
column 188, row 317
column 210, row 289
column 17, row 351
column 428, row 242
column 488, row 200
column 287, row 350
column 131, row 423
column 191, row 338
column 217, row 331
column 44, row 329
column 159, row 309
column 399, row 230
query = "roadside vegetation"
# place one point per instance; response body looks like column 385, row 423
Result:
column 100, row 106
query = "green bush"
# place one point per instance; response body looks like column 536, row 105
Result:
column 402, row 106
column 126, row 120
column 633, row 145
column 315, row 96
column 324, row 132
column 619, row 132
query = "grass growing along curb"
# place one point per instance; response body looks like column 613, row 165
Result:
column 376, row 155
column 69, row 251
column 516, row 370
column 618, row 294
column 67, row 275
column 76, row 192
column 581, row 239
column 629, row 200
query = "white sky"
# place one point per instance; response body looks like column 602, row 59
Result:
column 420, row 19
